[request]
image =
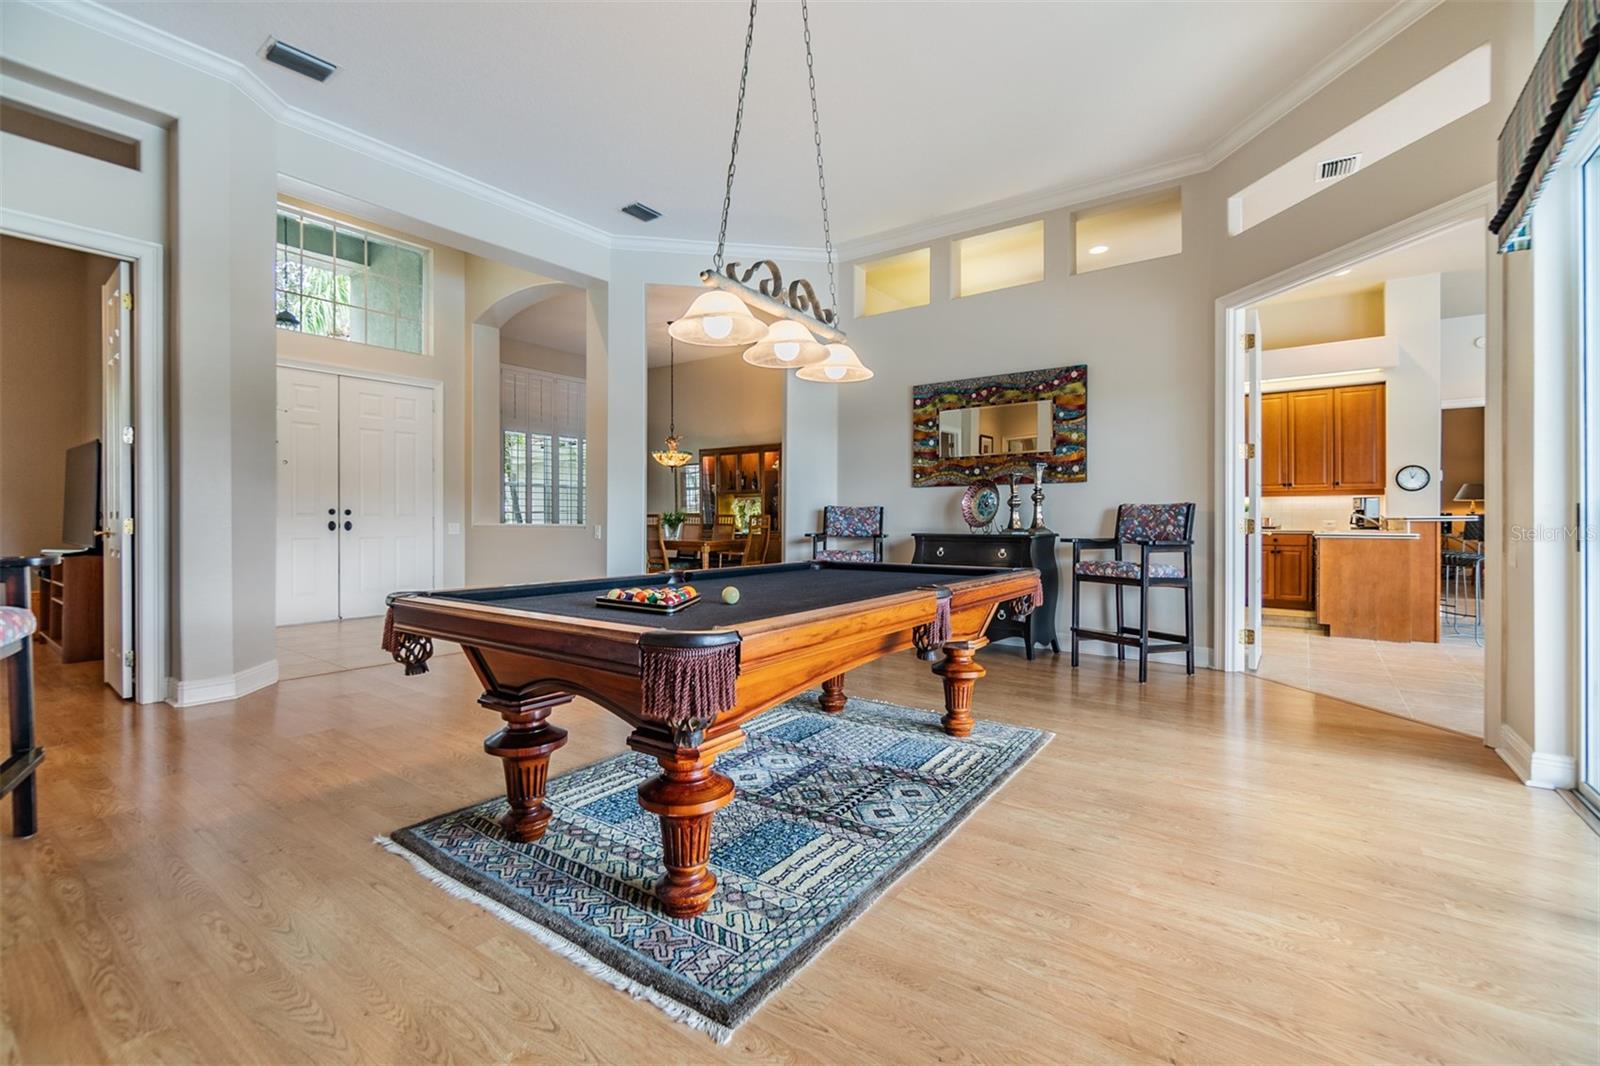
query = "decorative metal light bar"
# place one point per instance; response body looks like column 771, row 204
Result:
column 805, row 334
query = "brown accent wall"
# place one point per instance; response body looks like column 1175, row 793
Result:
column 1461, row 453
column 49, row 381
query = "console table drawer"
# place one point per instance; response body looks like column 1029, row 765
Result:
column 1037, row 550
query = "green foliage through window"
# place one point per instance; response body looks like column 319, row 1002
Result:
column 339, row 281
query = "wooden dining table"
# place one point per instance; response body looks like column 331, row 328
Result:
column 706, row 546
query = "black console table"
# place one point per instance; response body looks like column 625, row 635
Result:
column 1037, row 550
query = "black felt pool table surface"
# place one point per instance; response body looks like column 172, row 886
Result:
column 764, row 592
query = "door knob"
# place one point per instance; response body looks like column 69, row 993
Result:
column 347, row 525
column 332, row 525
column 332, row 511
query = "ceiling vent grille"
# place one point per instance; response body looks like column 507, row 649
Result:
column 642, row 212
column 301, row 62
column 1342, row 167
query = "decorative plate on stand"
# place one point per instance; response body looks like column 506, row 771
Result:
column 980, row 503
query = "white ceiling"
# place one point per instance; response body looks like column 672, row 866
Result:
column 558, row 323
column 928, row 109
column 1459, row 249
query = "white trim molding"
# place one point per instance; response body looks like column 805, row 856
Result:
column 1534, row 768
column 218, row 689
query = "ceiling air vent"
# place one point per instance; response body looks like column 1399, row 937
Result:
column 1342, row 167
column 301, row 62
column 641, row 212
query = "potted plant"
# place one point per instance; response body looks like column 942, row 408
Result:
column 672, row 524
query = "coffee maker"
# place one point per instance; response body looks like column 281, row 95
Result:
column 1367, row 512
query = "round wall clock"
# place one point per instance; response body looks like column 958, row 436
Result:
column 1412, row 478
column 980, row 503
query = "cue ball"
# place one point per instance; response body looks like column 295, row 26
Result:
column 730, row 594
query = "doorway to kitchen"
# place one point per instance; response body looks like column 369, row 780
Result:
column 1353, row 403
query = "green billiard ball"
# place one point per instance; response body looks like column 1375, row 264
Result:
column 730, row 594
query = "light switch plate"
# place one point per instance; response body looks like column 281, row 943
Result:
column 453, row 529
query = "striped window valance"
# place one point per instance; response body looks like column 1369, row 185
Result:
column 1560, row 95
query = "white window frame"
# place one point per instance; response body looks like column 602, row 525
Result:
column 424, row 318
column 542, row 405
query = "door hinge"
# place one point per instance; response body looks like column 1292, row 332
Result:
column 1247, row 637
column 127, row 659
column 1247, row 526
column 1249, row 340
column 127, row 301
column 127, row 527
column 1247, row 451
column 127, row 434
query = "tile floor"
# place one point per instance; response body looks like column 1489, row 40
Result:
column 1439, row 684
column 329, row 647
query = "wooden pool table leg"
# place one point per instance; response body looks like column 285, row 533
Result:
column 524, row 747
column 686, row 796
column 960, row 674
column 833, row 697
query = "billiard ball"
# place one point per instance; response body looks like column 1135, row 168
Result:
column 730, row 594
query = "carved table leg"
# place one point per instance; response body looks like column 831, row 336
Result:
column 524, row 746
column 833, row 697
column 687, row 796
column 960, row 674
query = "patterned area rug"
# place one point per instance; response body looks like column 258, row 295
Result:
column 830, row 811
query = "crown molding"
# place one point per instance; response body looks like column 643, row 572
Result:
column 1385, row 28
column 128, row 30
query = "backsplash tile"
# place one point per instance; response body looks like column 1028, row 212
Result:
column 1312, row 513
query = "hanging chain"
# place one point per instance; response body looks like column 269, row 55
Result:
column 733, row 154
column 672, row 384
column 816, row 136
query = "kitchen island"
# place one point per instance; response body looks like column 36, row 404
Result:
column 1380, row 584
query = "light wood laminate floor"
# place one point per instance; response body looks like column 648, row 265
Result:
column 1207, row 869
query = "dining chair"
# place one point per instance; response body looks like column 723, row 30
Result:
column 755, row 543
column 655, row 545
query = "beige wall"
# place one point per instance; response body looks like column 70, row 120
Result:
column 49, row 381
column 537, row 357
column 722, row 401
column 1342, row 317
column 1147, row 330
column 1461, row 436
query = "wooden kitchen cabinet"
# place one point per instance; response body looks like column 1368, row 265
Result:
column 1286, row 571
column 1358, row 439
column 1323, row 442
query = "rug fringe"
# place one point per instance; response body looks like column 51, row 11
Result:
column 561, row 945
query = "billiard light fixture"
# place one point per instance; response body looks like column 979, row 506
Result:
column 842, row 365
column 672, row 456
column 804, row 331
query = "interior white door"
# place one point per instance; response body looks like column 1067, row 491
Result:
column 1251, row 342
column 308, row 496
column 386, row 488
column 116, row 477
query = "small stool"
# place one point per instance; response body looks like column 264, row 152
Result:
column 17, row 624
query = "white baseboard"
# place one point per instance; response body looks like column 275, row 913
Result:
column 1102, row 650
column 227, row 687
column 1535, row 769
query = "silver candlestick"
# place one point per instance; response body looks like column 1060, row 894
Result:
column 1014, row 523
column 1038, row 500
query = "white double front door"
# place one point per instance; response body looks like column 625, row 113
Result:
column 355, row 494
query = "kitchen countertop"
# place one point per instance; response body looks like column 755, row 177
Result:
column 1369, row 534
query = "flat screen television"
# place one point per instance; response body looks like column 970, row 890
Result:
column 80, row 506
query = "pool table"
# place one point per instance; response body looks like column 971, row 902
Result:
column 688, row 681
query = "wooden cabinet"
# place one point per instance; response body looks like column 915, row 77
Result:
column 1286, row 571
column 69, row 607
column 1358, row 439
column 1323, row 442
column 738, row 482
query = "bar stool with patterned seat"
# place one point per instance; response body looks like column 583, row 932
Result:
column 17, row 624
column 1156, row 528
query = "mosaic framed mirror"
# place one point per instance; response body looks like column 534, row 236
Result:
column 991, row 427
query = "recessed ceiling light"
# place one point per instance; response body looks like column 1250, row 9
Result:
column 1342, row 273
column 1099, row 249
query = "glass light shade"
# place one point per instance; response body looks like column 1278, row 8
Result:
column 718, row 319
column 787, row 346
column 841, row 365
column 672, row 456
